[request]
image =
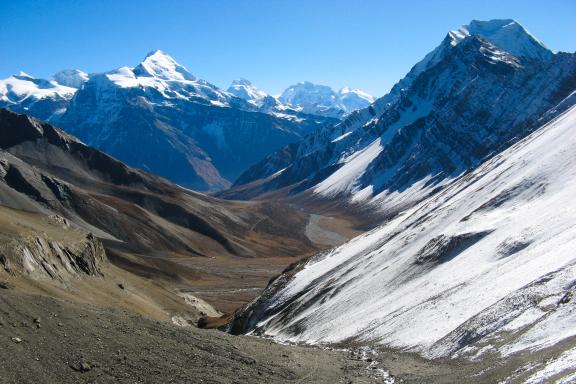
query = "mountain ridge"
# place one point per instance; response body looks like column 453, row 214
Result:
column 441, row 102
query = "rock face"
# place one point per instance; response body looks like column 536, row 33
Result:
column 466, row 100
column 483, row 270
column 46, row 248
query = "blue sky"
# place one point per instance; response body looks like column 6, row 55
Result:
column 368, row 44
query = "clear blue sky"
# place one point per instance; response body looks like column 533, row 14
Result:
column 366, row 44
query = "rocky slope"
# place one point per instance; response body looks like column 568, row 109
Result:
column 70, row 316
column 483, row 88
column 47, row 248
column 483, row 270
column 149, row 226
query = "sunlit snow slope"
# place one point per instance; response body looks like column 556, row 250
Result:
column 486, row 265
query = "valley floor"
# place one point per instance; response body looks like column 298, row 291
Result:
column 227, row 283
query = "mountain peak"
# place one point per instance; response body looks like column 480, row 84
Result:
column 156, row 52
column 506, row 34
column 71, row 77
column 347, row 90
column 241, row 81
column 23, row 74
column 161, row 65
column 244, row 89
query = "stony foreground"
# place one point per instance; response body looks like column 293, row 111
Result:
column 43, row 340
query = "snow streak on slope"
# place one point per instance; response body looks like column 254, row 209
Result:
column 492, row 252
column 354, row 166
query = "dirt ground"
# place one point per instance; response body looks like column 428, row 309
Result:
column 45, row 340
column 228, row 282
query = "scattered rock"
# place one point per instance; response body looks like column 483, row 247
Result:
column 17, row 340
column 567, row 297
column 5, row 285
column 82, row 366
column 37, row 320
column 121, row 286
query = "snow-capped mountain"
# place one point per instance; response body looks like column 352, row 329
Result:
column 322, row 100
column 159, row 117
column 244, row 89
column 45, row 99
column 73, row 78
column 483, row 269
column 466, row 100
column 305, row 98
column 351, row 99
column 264, row 102
column 506, row 34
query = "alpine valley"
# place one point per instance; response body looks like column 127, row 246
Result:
column 156, row 228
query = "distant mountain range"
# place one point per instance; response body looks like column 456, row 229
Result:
column 305, row 97
column 159, row 117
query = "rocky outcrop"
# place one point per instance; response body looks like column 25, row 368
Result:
column 42, row 258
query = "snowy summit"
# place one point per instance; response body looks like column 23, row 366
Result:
column 244, row 89
column 160, row 65
column 507, row 35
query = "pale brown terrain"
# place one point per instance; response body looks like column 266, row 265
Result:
column 184, row 242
